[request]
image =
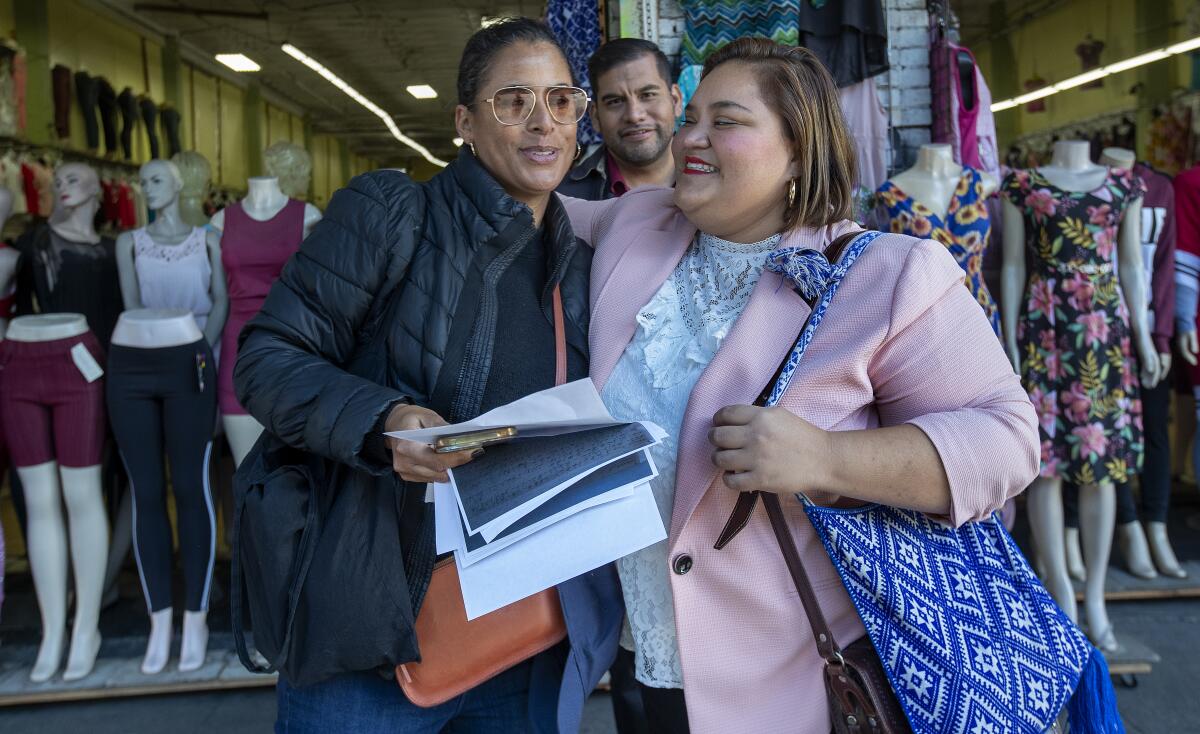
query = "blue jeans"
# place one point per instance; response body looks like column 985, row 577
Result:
column 366, row 703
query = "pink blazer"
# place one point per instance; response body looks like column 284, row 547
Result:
column 902, row 342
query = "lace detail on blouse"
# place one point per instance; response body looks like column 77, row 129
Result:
column 678, row 333
column 145, row 246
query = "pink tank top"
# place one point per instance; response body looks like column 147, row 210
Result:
column 254, row 252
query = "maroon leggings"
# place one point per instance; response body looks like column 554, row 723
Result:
column 49, row 411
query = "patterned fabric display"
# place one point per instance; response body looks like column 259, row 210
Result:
column 713, row 23
column 971, row 642
column 576, row 25
column 964, row 231
column 1074, row 338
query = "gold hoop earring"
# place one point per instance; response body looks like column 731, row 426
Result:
column 472, row 147
column 791, row 193
column 578, row 151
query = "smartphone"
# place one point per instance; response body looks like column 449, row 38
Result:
column 473, row 439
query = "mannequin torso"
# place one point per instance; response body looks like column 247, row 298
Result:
column 46, row 327
column 264, row 201
column 935, row 177
column 1071, row 167
column 156, row 328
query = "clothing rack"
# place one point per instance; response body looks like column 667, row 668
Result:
column 60, row 153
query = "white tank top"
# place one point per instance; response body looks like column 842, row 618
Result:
column 174, row 276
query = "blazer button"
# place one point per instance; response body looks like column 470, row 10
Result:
column 682, row 564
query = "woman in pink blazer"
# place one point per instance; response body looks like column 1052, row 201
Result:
column 904, row 396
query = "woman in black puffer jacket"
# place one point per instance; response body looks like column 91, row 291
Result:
column 411, row 305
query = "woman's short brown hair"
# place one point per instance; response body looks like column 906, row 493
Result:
column 797, row 85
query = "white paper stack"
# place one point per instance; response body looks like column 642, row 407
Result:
column 568, row 495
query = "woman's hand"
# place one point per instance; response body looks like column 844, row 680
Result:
column 769, row 449
column 418, row 462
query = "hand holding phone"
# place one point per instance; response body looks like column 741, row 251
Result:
column 418, row 462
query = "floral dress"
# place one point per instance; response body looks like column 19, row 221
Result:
column 1075, row 343
column 964, row 231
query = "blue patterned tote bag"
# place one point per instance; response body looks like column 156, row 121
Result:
column 969, row 639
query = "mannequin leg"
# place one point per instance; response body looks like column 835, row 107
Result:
column 158, row 645
column 242, row 431
column 46, row 540
column 1131, row 541
column 1046, row 518
column 1097, row 517
column 194, row 648
column 1075, row 567
column 84, row 498
column 1156, row 479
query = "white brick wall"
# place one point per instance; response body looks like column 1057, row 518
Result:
column 903, row 90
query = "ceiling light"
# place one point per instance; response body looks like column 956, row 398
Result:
column 422, row 91
column 238, row 62
column 488, row 21
column 354, row 94
column 457, row 142
column 1133, row 62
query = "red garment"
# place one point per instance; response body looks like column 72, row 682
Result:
column 31, row 194
column 616, row 180
column 1158, row 223
column 127, row 209
column 110, row 202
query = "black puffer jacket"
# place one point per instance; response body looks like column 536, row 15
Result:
column 324, row 361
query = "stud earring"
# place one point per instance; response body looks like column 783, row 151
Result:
column 791, row 193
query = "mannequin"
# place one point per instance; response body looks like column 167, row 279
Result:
column 939, row 199
column 1075, row 176
column 197, row 177
column 292, row 165
column 162, row 394
column 267, row 227
column 8, row 264
column 54, row 418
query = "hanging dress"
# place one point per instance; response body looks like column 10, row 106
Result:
column 964, row 230
column 1077, row 359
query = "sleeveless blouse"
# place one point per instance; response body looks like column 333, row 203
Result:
column 174, row 276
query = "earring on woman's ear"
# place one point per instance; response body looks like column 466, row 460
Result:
column 791, row 193
column 472, row 147
column 578, row 151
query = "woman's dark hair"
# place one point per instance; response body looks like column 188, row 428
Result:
column 620, row 51
column 482, row 47
column 797, row 85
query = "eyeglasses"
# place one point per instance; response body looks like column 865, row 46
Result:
column 514, row 105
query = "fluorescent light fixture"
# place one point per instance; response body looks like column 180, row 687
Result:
column 354, row 94
column 422, row 91
column 457, row 142
column 488, row 21
column 238, row 62
column 1133, row 62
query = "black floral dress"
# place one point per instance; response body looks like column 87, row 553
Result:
column 1076, row 355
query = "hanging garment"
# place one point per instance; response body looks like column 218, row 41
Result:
column 987, row 153
column 576, row 25
column 1077, row 361
column 174, row 276
column 171, row 120
column 1187, row 254
column 87, row 95
column 150, row 117
column 868, row 125
column 126, row 207
column 11, row 179
column 127, row 104
column 1089, row 51
column 29, row 188
column 60, row 86
column 8, row 94
column 164, row 402
column 963, row 230
column 253, row 254
column 1170, row 141
column 107, row 99
column 1158, row 254
column 110, row 205
column 43, row 184
column 849, row 37
column 70, row 277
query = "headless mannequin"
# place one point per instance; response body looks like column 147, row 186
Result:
column 155, row 329
column 8, row 256
column 48, row 486
column 1072, row 170
column 935, row 176
column 264, row 200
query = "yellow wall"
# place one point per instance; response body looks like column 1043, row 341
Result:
column 1045, row 47
column 6, row 18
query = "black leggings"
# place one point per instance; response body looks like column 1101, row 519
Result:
column 167, row 398
column 666, row 710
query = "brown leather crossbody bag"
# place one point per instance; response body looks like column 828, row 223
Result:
column 457, row 654
column 860, row 696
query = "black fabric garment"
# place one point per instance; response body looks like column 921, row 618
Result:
column 322, row 364
column 107, row 98
column 588, row 179
column 87, row 95
column 666, row 709
column 170, row 120
column 150, row 117
column 56, row 275
column 167, row 399
column 849, row 37
column 629, row 712
column 127, row 104
column 60, row 86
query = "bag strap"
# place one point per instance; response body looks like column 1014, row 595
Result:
column 560, row 339
column 827, row 646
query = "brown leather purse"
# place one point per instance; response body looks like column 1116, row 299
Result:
column 457, row 654
column 860, row 696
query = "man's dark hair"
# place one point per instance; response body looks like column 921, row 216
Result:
column 622, row 51
column 483, row 46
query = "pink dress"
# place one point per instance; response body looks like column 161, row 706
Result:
column 253, row 254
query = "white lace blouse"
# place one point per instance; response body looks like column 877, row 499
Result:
column 678, row 333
